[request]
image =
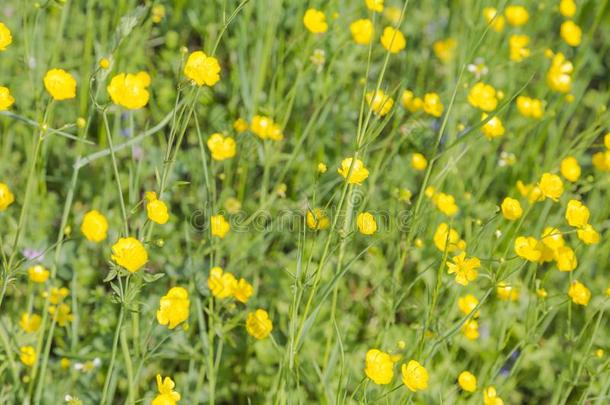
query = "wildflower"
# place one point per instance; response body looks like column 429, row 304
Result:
column 570, row 169
column 571, row 33
column 379, row 102
column 130, row 90
column 104, row 63
column 418, row 162
column 579, row 293
column 527, row 248
column 129, row 253
column 507, row 292
column 542, row 293
column 467, row 304
column 493, row 18
column 322, row 168
column 577, row 214
column 61, row 314
column 265, row 128
column 60, row 84
column 517, row 45
column 219, row 226
column 240, row 125
column 379, row 367
column 393, row 40
column 221, row 147
column 410, row 102
column 445, row 49
column 221, row 284
column 27, row 355
column 511, row 209
column 607, row 140
column 491, row 397
column 467, row 381
column 258, row 324
column 202, row 69
column 433, row 105
column 552, row 238
column 366, row 223
column 158, row 13
column 446, row 204
column 156, row 209
column 516, row 15
column 530, row 107
column 6, row 197
column 588, row 235
column 551, row 186
column 29, row 323
column 56, row 295
column 242, row 291
column 470, row 329
column 448, row 238
column 64, row 363
column 465, row 269
column 353, row 173
column 362, row 31
column 565, row 258
column 315, row 21
column 374, row 5
column 478, row 68
column 414, row 376
column 493, row 128
column 173, row 307
column 38, row 274
column 167, row 395
column 567, row 8
column 532, row 192
column 6, row 100
column 5, row 37
column 601, row 160
column 94, row 226
column 483, row 96
column 558, row 76
column 317, row 219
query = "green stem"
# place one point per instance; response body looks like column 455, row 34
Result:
column 105, row 400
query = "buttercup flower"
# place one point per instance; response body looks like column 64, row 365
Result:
column 507, row 292
column 240, row 125
column 38, row 274
column 6, row 197
column 517, row 45
column 130, row 90
column 433, row 105
column 483, row 96
column 219, row 226
column 393, row 40
column 418, row 162
column 570, row 169
column 559, row 75
column 448, row 238
column 465, row 269
column 362, row 31
column 410, row 102
column 414, row 376
column 6, row 100
column 567, row 8
column 493, row 18
column 588, row 235
column 258, row 324
column 56, row 295
column 516, row 15
column 552, row 237
column 94, row 226
column 527, row 248
column 380, row 103
column 470, row 329
column 571, row 33
column 565, row 258
column 366, row 223
column 379, row 367
column 265, row 128
column 315, row 21
column 374, row 5
column 530, row 107
column 445, row 204
column 173, row 307
column 493, row 128
column 491, row 397
column 317, row 219
column 30, row 323
column 511, row 209
column 202, row 69
column 60, row 84
column 221, row 147
column 167, row 395
column 61, row 314
column 577, row 214
column 242, row 291
column 467, row 381
column 358, row 172
column 579, row 293
column 467, row 304
column 27, row 355
column 601, row 160
column 221, row 284
column 5, row 37
column 551, row 186
column 130, row 254
column 445, row 49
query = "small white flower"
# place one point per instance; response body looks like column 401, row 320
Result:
column 498, row 233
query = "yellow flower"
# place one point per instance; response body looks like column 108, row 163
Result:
column 104, row 63
column 491, row 397
column 446, row 237
column 507, row 292
column 315, row 21
column 542, row 293
column 6, row 100
column 167, row 395
column 221, row 284
column 567, row 8
column 265, row 128
column 565, row 258
column 156, row 209
column 493, row 128
column 467, row 304
column 27, row 355
column 393, row 40
column 362, row 31
column 240, row 125
column 158, row 12
column 418, row 162
column 577, row 214
column 173, row 307
column 511, row 209
column 357, row 171
column 130, row 90
column 516, row 15
column 530, row 107
column 494, row 19
column 414, row 376
column 410, row 102
column 601, row 160
column 518, row 47
column 242, row 291
column 94, row 226
column 317, row 219
column 38, row 274
column 527, row 247
column 380, row 103
column 607, row 140
column 366, row 223
column 579, row 293
column 258, row 324
column 571, row 33
column 202, row 69
column 61, row 314
column 532, row 192
column 6, row 197
column 322, row 167
column 129, row 253
column 551, row 186
column 221, row 147
column 379, row 367
column 56, row 295
column 445, row 49
column 558, row 76
column 30, row 323
column 60, row 84
column 470, row 329
column 552, row 238
column 433, row 105
column 465, row 269
column 374, row 5
column 5, row 37
column 65, row 363
column 588, row 235
column 483, row 96
column 220, row 226
column 467, row 381
column 445, row 204
column 570, row 169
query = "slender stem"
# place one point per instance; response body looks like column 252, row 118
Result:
column 117, row 332
column 116, row 173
